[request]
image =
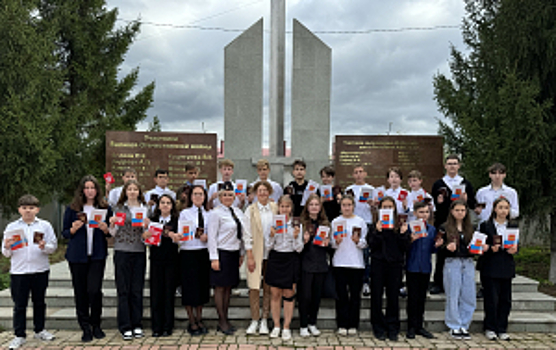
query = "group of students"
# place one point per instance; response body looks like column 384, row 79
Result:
column 291, row 261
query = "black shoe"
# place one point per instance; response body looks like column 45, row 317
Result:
column 424, row 333
column 156, row 334
column 380, row 335
column 166, row 333
column 98, row 333
column 455, row 333
column 393, row 336
column 202, row 327
column 464, row 334
column 436, row 290
column 87, row 336
column 410, row 333
column 480, row 293
column 229, row 331
column 193, row 332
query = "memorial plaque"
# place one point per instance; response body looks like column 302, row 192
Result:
column 147, row 151
column 379, row 153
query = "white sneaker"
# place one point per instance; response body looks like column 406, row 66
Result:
column 138, row 333
column 352, row 331
column 286, row 334
column 314, row 330
column 127, row 335
column 504, row 336
column 252, row 329
column 304, row 332
column 275, row 332
column 342, row 331
column 490, row 335
column 17, row 342
column 366, row 289
column 44, row 335
column 263, row 328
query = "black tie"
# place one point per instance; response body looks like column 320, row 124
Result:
column 238, row 223
column 200, row 219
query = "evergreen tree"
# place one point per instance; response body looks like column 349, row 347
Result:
column 30, row 82
column 94, row 99
column 500, row 102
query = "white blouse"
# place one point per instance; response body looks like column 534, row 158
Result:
column 222, row 231
column 192, row 214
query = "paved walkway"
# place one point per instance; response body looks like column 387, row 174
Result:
column 71, row 340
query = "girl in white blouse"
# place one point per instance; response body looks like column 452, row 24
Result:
column 283, row 268
column 349, row 267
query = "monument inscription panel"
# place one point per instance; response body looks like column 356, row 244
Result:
column 378, row 153
column 147, row 151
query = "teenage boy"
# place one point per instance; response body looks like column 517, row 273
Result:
column 298, row 185
column 226, row 168
column 27, row 242
column 415, row 183
column 114, row 194
column 394, row 177
column 161, row 179
column 191, row 173
column 263, row 169
column 497, row 188
column 418, row 273
column 442, row 194
column 363, row 210
column 332, row 208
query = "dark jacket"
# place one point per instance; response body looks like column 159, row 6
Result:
column 421, row 250
column 388, row 245
column 314, row 258
column 462, row 251
column 443, row 209
column 77, row 245
column 495, row 265
column 167, row 251
column 297, row 196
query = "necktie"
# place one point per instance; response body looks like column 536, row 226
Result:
column 238, row 223
column 200, row 219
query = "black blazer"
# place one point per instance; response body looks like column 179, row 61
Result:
column 77, row 245
column 167, row 251
column 443, row 209
column 495, row 265
column 389, row 245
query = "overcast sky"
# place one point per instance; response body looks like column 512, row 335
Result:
column 377, row 78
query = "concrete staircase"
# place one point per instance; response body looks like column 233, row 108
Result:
column 531, row 311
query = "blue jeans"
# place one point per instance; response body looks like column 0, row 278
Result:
column 459, row 286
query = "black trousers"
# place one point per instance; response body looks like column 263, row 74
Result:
column 21, row 286
column 385, row 277
column 130, row 281
column 497, row 298
column 86, row 279
column 163, row 289
column 309, row 294
column 438, row 277
column 417, row 285
column 349, row 282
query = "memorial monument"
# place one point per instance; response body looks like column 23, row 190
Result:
column 310, row 96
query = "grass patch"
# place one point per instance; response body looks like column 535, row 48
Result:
column 55, row 257
column 534, row 262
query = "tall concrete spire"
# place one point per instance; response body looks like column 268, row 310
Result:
column 277, row 76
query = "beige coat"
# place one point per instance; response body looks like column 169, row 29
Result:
column 254, row 235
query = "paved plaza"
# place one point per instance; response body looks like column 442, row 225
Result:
column 71, row 340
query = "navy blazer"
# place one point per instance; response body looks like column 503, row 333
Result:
column 419, row 256
column 77, row 245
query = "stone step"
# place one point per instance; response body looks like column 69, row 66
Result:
column 63, row 297
column 64, row 318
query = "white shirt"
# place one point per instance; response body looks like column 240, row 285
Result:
column 160, row 191
column 412, row 196
column 500, row 228
column 362, row 210
column 395, row 193
column 285, row 242
column 114, row 196
column 452, row 181
column 266, row 222
column 222, row 230
column 488, row 195
column 30, row 259
column 277, row 190
column 216, row 202
column 88, row 209
column 349, row 254
column 192, row 214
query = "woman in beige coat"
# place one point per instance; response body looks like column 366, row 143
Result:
column 258, row 220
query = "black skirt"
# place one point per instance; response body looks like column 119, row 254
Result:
column 228, row 276
column 195, row 272
column 282, row 269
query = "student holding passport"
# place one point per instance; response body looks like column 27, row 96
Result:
column 86, row 254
